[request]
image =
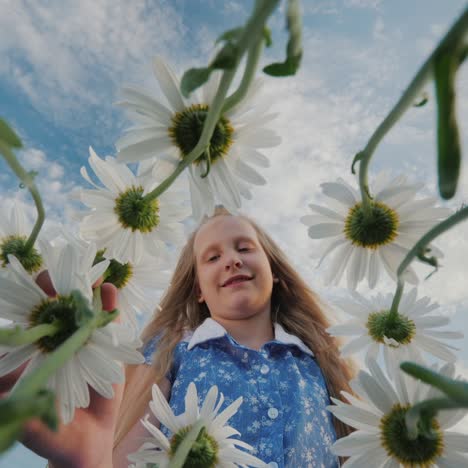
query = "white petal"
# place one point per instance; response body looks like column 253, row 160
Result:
column 139, row 134
column 355, row 345
column 105, row 173
column 372, row 457
column 347, row 329
column 434, row 347
column 357, row 267
column 322, row 230
column 223, row 185
column 145, row 149
column 374, row 269
column 356, row 417
column 452, row 460
column 144, row 102
column 249, row 174
column 331, row 246
column 339, row 263
column 355, row 443
column 15, row 358
column 339, row 192
column 326, row 212
column 162, row 410
column 169, row 84
column 431, row 322
column 227, row 413
column 255, row 157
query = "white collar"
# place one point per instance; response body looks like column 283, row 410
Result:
column 211, row 329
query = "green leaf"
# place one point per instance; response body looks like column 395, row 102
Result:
column 448, row 139
column 8, row 135
column 193, row 79
column 267, row 36
column 287, row 68
column 231, row 35
column 226, row 58
column 294, row 47
column 357, row 158
column 423, row 100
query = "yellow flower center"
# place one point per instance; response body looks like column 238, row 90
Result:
column 187, row 128
column 421, row 452
column 136, row 213
column 50, row 310
column 382, row 324
column 373, row 231
column 15, row 245
column 204, row 451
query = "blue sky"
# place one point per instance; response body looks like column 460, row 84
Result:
column 63, row 63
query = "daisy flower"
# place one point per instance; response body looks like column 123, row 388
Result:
column 15, row 229
column 174, row 130
column 96, row 363
column 214, row 447
column 137, row 283
column 415, row 330
column 121, row 220
column 363, row 247
column 381, row 438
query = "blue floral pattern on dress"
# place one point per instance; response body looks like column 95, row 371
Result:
column 283, row 414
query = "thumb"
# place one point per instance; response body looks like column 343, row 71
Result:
column 45, row 283
column 109, row 296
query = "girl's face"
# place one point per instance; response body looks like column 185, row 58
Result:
column 234, row 275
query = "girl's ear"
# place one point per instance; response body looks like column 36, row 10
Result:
column 199, row 294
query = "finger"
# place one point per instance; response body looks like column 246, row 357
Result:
column 106, row 409
column 45, row 283
column 8, row 381
column 108, row 296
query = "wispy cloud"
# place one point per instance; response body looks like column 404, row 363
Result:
column 66, row 56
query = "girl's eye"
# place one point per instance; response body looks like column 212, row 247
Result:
column 213, row 258
column 244, row 249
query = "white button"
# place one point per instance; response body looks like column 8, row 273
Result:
column 264, row 369
column 272, row 465
column 272, row 413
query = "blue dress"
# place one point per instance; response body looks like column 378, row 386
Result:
column 283, row 414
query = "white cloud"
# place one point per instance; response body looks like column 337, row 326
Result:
column 53, row 49
column 53, row 187
column 33, row 158
column 362, row 3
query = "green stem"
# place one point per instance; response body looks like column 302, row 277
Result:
column 28, row 181
column 253, row 56
column 436, row 231
column 18, row 337
column 430, row 407
column 37, row 379
column 393, row 314
column 252, row 31
column 453, row 36
column 178, row 461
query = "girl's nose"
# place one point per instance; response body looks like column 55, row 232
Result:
column 233, row 261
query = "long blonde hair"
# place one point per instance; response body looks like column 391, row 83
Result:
column 295, row 306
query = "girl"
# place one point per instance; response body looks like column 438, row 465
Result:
column 237, row 315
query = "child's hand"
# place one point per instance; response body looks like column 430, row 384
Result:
column 87, row 440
